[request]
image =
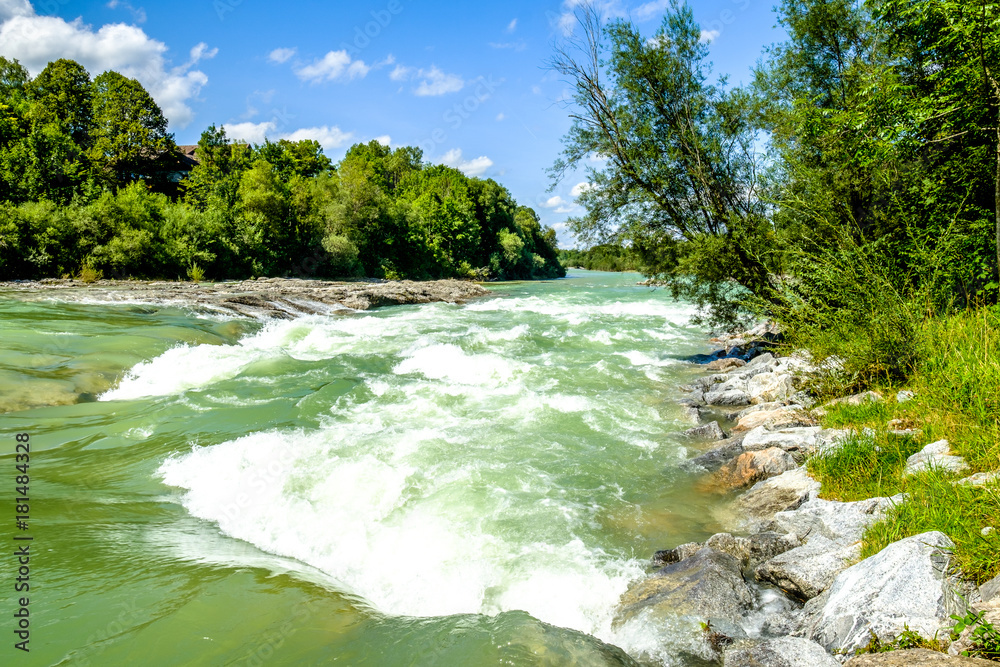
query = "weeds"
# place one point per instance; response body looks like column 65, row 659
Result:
column 985, row 637
column 907, row 639
column 195, row 273
column 89, row 274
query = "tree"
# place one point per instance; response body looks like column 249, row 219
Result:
column 129, row 139
column 681, row 177
column 63, row 94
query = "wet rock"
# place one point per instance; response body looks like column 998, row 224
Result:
column 691, row 414
column 751, row 467
column 709, row 431
column 737, row 547
column 715, row 458
column 917, row 657
column 768, row 387
column 765, row 546
column 782, row 652
column 934, row 456
column 707, row 585
column 676, row 555
column 787, row 491
column 723, row 365
column 906, row 585
column 729, row 398
column 808, row 570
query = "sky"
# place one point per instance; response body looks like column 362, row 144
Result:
column 465, row 81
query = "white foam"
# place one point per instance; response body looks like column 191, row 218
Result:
column 449, row 362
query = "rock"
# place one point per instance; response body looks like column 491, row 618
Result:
column 751, row 467
column 790, row 417
column 708, row 586
column 808, row 570
column 676, row 555
column 716, row 457
column 766, row 359
column 768, row 387
column 797, row 441
column 709, row 431
column 906, row 585
column 987, row 531
column 917, row 657
column 857, row 399
column 990, row 590
column 787, row 491
column 691, row 414
column 843, row 523
column 980, row 479
column 730, row 398
column 782, row 652
column 737, row 547
column 765, row 546
column 904, row 396
column 708, row 382
column 934, row 456
column 723, row 365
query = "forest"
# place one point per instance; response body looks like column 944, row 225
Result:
column 92, row 184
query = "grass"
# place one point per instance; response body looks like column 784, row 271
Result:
column 956, row 380
column 89, row 274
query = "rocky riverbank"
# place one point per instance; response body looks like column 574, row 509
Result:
column 277, row 298
column 786, row 586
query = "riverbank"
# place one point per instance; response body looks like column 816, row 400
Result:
column 262, row 298
column 806, row 575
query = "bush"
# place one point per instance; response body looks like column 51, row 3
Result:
column 343, row 256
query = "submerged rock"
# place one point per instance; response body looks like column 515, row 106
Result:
column 715, row 458
column 782, row 652
column 906, row 585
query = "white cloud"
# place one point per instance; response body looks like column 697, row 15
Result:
column 138, row 15
column 513, row 46
column 385, row 140
column 580, row 188
column 331, row 67
column 512, row 26
column 435, row 82
column 37, row 40
column 249, row 133
column 255, row 133
column 280, row 56
column 328, row 137
column 401, row 73
column 475, row 167
column 500, row 116
column 553, row 202
column 709, row 36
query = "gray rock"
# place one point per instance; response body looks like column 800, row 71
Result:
column 935, row 456
column 677, row 554
column 800, row 442
column 787, row 491
column 766, row 359
column 917, row 657
column 708, row 585
column 763, row 407
column 769, row 387
column 716, row 457
column 904, row 396
column 709, row 431
column 990, row 590
column 724, row 365
column 782, row 652
column 844, row 523
column 751, row 467
column 765, row 546
column 808, row 570
column 691, row 414
column 980, row 479
column 907, row 584
column 707, row 382
column 737, row 547
column 731, row 398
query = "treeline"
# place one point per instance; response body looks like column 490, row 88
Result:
column 91, row 183
column 874, row 205
column 608, row 257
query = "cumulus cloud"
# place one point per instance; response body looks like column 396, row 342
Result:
column 335, row 65
column 280, row 56
column 255, row 133
column 385, row 140
column 553, row 202
column 709, row 36
column 475, row 167
column 431, row 82
column 38, row 40
column 580, row 188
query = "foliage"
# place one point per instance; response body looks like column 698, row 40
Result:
column 985, row 637
column 907, row 639
column 863, row 465
column 608, row 257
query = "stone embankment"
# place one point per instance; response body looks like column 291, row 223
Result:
column 275, row 298
column 786, row 586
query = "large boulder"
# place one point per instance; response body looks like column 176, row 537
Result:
column 787, row 491
column 751, row 467
column 768, row 387
column 782, row 652
column 773, row 418
column 935, row 456
column 844, row 523
column 727, row 398
column 807, row 571
column 707, row 585
column 918, row 657
column 755, row 549
column 906, row 585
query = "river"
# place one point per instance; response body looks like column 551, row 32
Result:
column 420, row 485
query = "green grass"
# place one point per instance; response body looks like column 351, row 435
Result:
column 956, row 379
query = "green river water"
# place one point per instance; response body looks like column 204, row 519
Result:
column 421, row 485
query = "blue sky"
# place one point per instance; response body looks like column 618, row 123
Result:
column 465, row 81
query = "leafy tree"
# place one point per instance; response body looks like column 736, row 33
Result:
column 63, row 94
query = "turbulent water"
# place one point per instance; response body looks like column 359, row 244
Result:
column 422, row 485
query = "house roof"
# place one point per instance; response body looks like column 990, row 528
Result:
column 188, row 158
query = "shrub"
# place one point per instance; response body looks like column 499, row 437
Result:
column 343, row 256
